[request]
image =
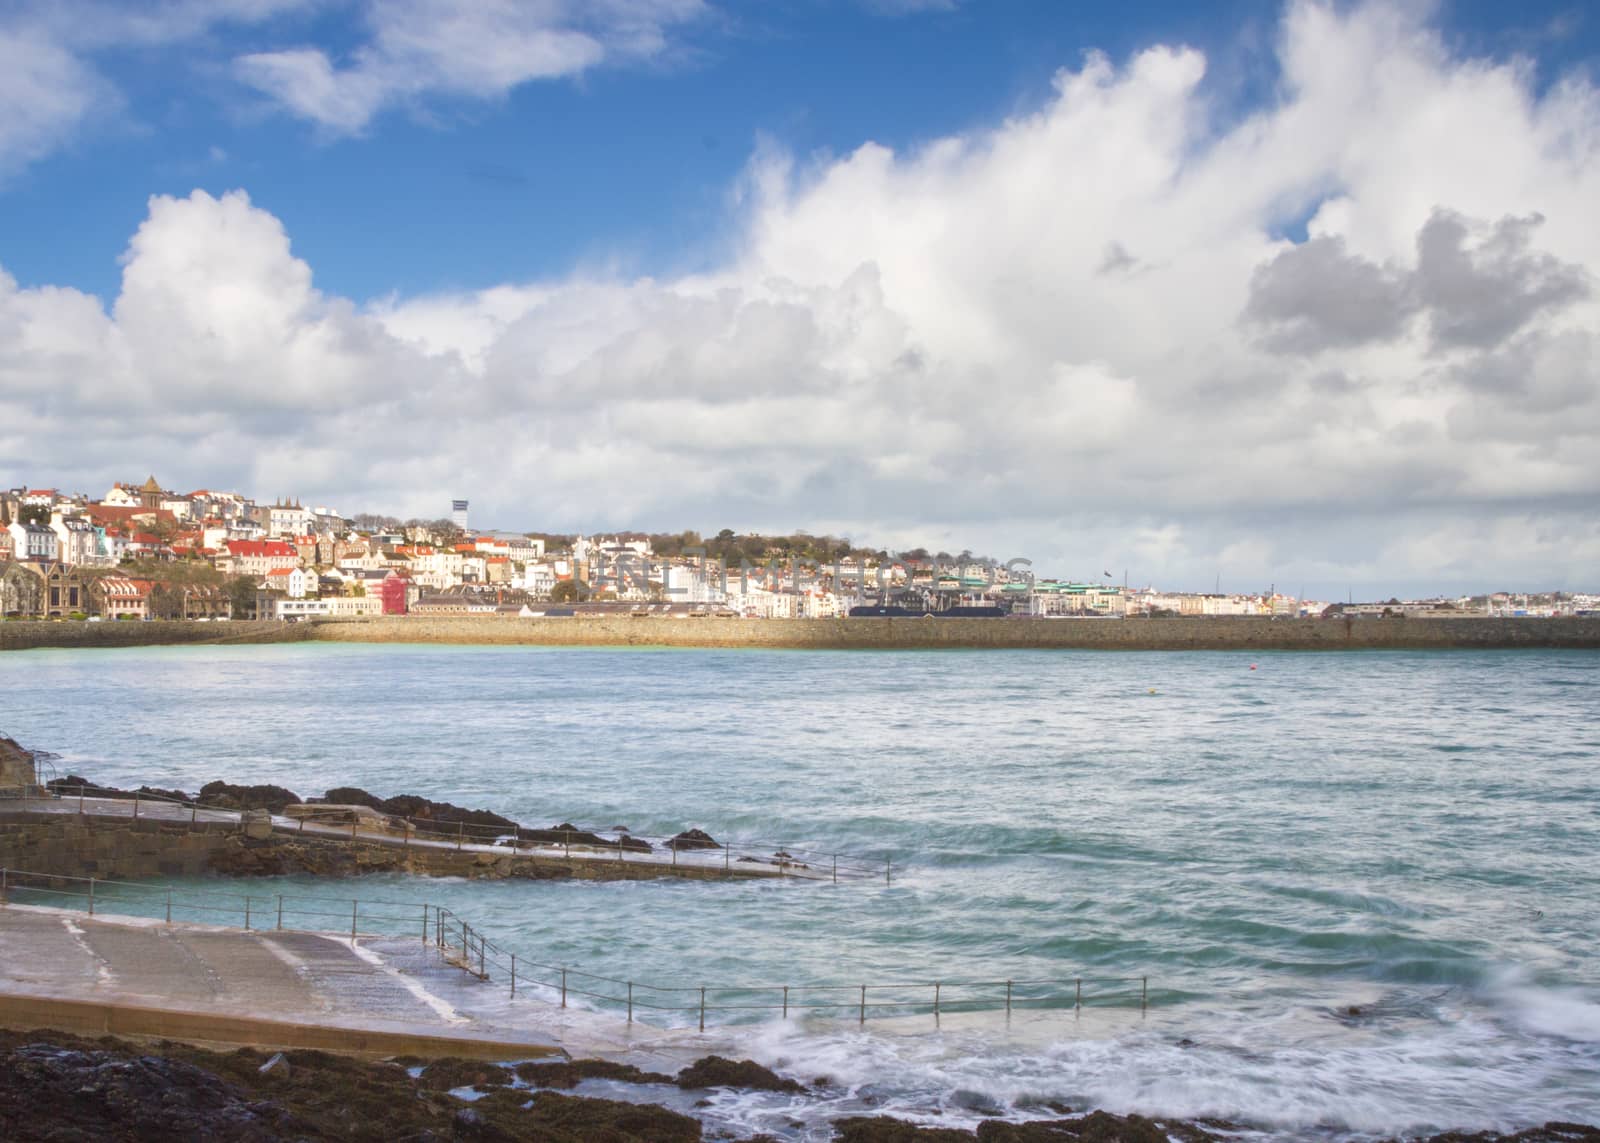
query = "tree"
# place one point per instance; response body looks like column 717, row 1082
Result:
column 166, row 601
column 569, row 591
column 241, row 591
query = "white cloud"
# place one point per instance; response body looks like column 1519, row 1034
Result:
column 478, row 49
column 928, row 347
column 49, row 86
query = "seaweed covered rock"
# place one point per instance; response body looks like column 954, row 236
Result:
column 449, row 1073
column 718, row 1071
column 55, row 1092
column 694, row 839
column 417, row 807
column 566, row 833
column 570, row 1073
column 224, row 795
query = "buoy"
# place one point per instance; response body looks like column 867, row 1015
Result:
column 1152, row 690
column 1252, row 666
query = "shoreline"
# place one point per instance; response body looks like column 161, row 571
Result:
column 857, row 634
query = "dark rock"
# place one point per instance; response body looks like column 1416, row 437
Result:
column 450, row 1073
column 975, row 1101
column 717, row 1071
column 883, row 1129
column 693, row 839
column 570, row 1073
column 608, row 1119
column 229, row 797
column 53, row 1092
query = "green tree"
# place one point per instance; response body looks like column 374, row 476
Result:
column 166, row 601
column 569, row 591
column 241, row 591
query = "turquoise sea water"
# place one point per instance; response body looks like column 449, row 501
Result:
column 1269, row 839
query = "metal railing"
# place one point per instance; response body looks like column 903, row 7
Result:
column 460, row 944
column 736, row 858
column 252, row 912
column 472, row 951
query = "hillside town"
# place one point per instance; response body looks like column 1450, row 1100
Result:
column 145, row 552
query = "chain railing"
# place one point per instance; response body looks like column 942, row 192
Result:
column 458, row 943
column 670, row 854
column 252, row 912
column 472, row 951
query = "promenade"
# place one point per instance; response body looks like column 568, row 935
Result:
column 132, row 976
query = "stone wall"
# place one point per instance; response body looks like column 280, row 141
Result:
column 1186, row 634
column 1244, row 634
column 122, row 849
column 19, row 635
column 110, row 849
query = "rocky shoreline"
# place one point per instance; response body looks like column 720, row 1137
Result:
column 58, row 1088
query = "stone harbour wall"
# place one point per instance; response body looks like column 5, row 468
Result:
column 122, row 849
column 867, row 634
column 1191, row 634
column 21, row 635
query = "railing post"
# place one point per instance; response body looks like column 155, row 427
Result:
column 424, row 925
column 1008, row 1000
column 91, row 896
column 355, row 908
column 836, row 869
column 936, row 987
column 567, row 835
column 136, row 805
column 727, row 867
column 630, row 1002
column 461, row 829
column 513, row 974
column 302, row 828
column 80, row 801
column 863, row 1005
column 1144, row 993
column 887, row 863
column 280, row 914
column 563, row 988
column 785, row 1001
column 674, row 855
column 3, row 887
column 466, row 953
column 194, row 816
column 702, row 1008
column 247, row 912
column 1078, row 998
column 482, row 974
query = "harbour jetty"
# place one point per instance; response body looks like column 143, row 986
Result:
column 1242, row 633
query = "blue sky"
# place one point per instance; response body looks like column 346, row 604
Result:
column 1299, row 291
column 632, row 164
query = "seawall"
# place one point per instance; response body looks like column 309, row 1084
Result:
column 934, row 634
column 1193, row 634
column 25, row 634
column 109, row 848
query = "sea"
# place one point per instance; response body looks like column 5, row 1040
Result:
column 1346, row 895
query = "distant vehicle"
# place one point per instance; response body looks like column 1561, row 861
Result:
column 508, row 839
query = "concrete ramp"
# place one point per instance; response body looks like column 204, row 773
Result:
column 130, row 976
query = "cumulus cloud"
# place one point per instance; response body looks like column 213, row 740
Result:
column 475, row 49
column 1074, row 336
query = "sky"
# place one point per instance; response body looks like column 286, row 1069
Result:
column 1244, row 294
